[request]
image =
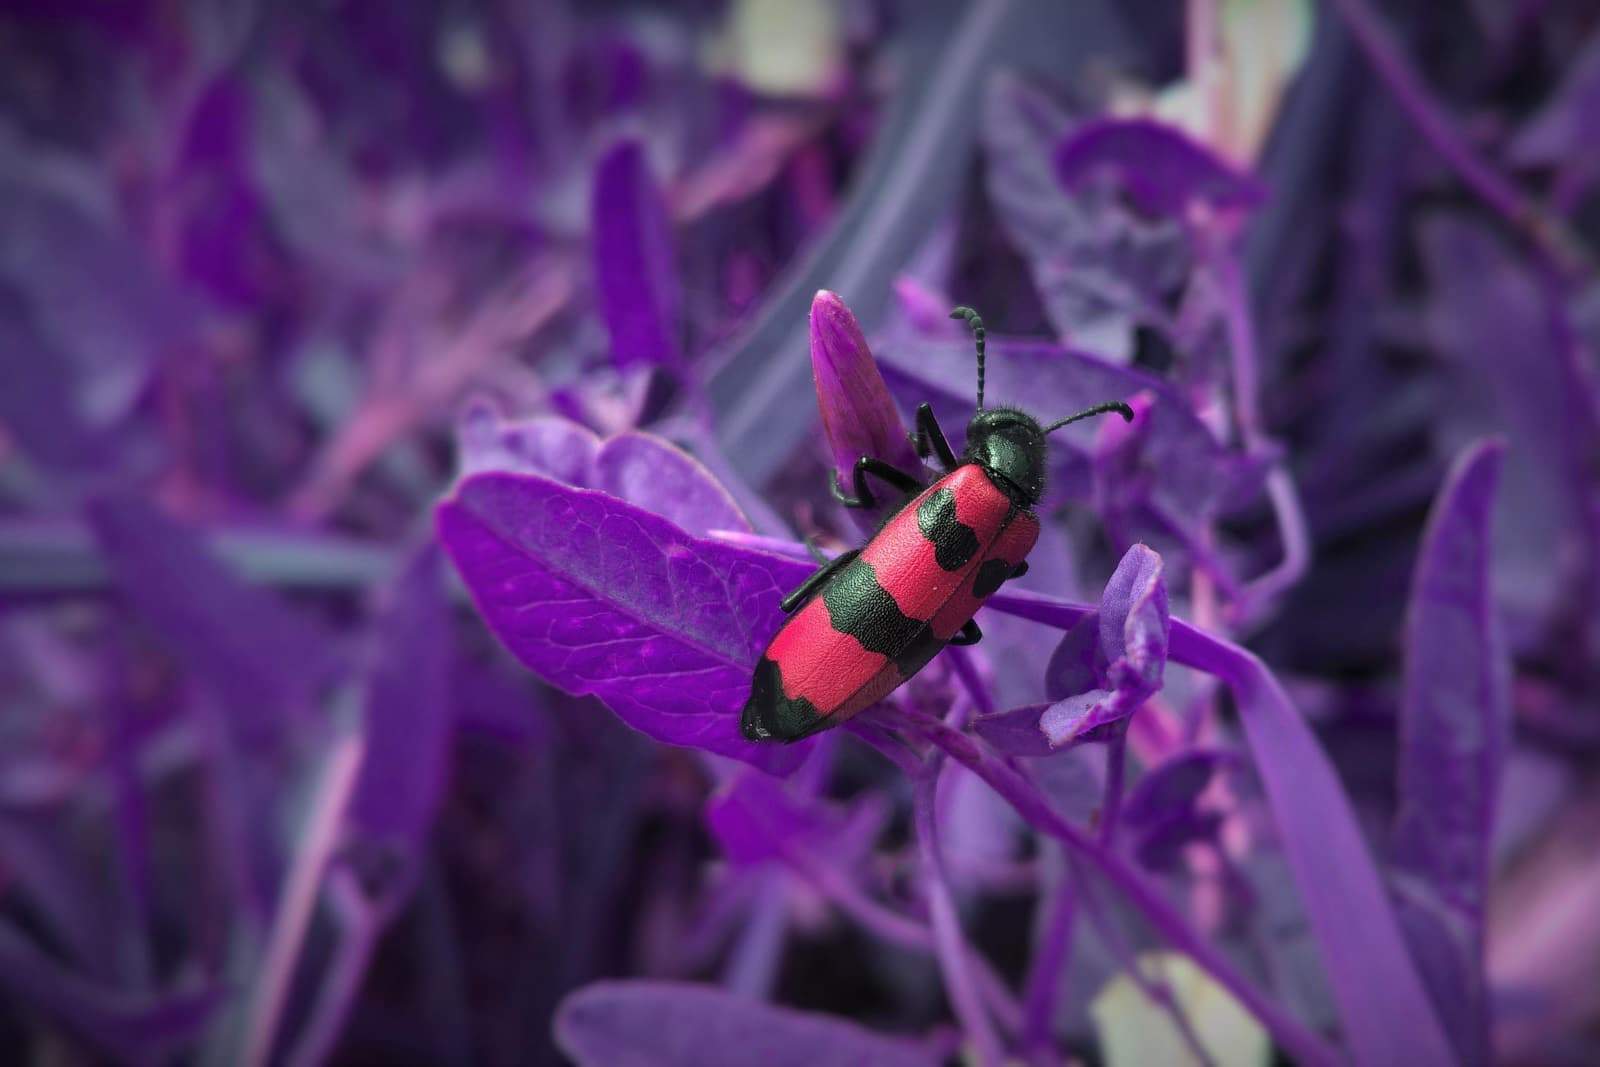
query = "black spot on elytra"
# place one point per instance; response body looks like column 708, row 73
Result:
column 859, row 606
column 990, row 576
column 954, row 544
column 770, row 715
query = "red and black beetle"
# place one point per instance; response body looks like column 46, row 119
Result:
column 870, row 618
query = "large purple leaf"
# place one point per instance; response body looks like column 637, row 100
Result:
column 1454, row 732
column 670, row 1024
column 258, row 654
column 635, row 275
column 1162, row 170
column 600, row 596
column 407, row 712
column 1383, row 1005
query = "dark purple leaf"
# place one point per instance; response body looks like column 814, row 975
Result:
column 670, row 1024
column 260, row 656
column 1525, row 377
column 636, row 277
column 1454, row 732
column 599, row 596
column 407, row 711
column 1173, row 785
column 858, row 415
column 1015, row 731
column 1162, row 170
column 127, row 1026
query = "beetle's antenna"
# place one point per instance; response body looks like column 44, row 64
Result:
column 976, row 323
column 1099, row 409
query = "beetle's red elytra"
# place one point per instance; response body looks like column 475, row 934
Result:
column 870, row 618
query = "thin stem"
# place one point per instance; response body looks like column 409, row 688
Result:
column 1024, row 796
column 949, row 945
column 1042, row 993
column 300, row 899
column 1116, row 774
column 359, row 925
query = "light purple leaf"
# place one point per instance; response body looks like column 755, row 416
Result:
column 600, row 596
column 858, row 414
column 660, row 477
column 1383, row 1005
column 1162, row 170
column 637, row 467
column 1454, row 732
column 669, row 1024
column 1100, row 271
column 407, row 712
column 259, row 655
column 540, row 444
column 636, row 278
column 1133, row 626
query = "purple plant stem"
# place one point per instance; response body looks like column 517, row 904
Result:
column 893, row 928
column 1553, row 239
column 359, row 926
column 752, row 968
column 949, row 945
column 299, row 899
column 1297, row 1040
column 1042, row 991
column 1116, row 775
column 1244, row 350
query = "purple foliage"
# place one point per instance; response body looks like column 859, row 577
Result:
column 405, row 446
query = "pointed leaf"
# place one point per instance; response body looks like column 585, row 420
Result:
column 636, row 277
column 858, row 414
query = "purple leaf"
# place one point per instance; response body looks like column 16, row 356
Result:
column 261, row 656
column 600, row 596
column 1100, row 271
column 407, row 711
column 37, row 405
column 637, row 467
column 636, row 277
column 1486, row 305
column 1454, row 732
column 541, row 444
column 670, row 1024
column 1384, row 1007
column 660, row 477
column 858, row 414
column 1173, row 785
column 1133, row 627
column 1162, row 170
column 1015, row 731
column 1567, row 127
column 1182, row 470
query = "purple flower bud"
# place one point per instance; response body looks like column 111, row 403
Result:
column 858, row 415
